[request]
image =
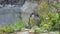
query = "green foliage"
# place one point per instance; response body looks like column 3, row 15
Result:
column 9, row 28
column 0, row 33
column 32, row 22
column 1, row 30
column 56, row 5
column 19, row 25
column 54, row 19
column 49, row 15
column 49, row 18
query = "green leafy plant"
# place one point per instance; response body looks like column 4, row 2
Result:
column 49, row 15
column 32, row 22
column 1, row 30
column 9, row 28
column 20, row 24
column 56, row 5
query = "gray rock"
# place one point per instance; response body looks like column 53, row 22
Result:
column 1, row 6
column 52, row 32
column 43, row 33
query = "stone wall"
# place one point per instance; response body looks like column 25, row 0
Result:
column 9, row 15
column 12, row 1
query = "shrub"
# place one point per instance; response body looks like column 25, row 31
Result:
column 49, row 15
column 9, row 28
column 19, row 25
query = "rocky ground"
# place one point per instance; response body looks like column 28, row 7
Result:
column 32, row 32
column 40, row 33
